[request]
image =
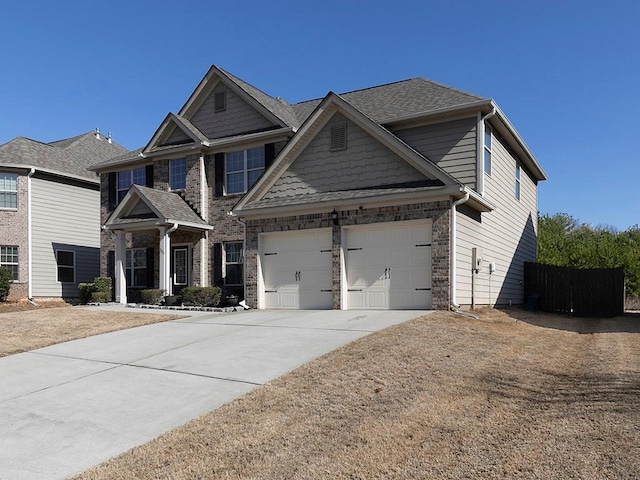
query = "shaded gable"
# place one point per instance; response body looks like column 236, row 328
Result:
column 364, row 163
column 237, row 117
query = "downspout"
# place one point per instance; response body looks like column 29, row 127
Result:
column 29, row 238
column 452, row 248
column 167, row 256
column 480, row 149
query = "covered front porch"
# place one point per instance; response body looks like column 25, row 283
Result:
column 161, row 221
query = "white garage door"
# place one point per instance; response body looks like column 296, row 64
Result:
column 388, row 266
column 296, row 269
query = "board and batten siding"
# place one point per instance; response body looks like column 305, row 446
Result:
column 238, row 118
column 364, row 163
column 64, row 217
column 451, row 145
column 505, row 236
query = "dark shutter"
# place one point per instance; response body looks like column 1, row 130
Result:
column 269, row 154
column 112, row 179
column 217, row 264
column 151, row 277
column 111, row 271
column 149, row 176
column 219, row 174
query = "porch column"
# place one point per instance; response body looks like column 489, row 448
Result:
column 120, row 265
column 165, row 261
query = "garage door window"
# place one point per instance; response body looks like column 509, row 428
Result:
column 233, row 263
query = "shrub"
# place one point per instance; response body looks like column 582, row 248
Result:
column 101, row 297
column 84, row 291
column 151, row 296
column 6, row 277
column 102, row 284
column 202, row 296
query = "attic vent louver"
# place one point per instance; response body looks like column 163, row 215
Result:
column 220, row 101
column 338, row 137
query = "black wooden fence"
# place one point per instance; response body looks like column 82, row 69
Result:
column 595, row 292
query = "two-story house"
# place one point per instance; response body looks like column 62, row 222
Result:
column 49, row 223
column 406, row 195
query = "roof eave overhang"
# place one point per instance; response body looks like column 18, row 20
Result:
column 48, row 171
column 149, row 224
column 456, row 110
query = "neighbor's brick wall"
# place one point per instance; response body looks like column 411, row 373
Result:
column 13, row 232
column 438, row 212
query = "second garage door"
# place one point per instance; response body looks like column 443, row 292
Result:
column 296, row 269
column 388, row 266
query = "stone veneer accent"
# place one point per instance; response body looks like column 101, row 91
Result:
column 438, row 212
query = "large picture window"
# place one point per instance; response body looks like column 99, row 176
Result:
column 243, row 169
column 128, row 178
column 233, row 263
column 178, row 174
column 66, row 260
column 8, row 190
column 136, row 267
column 9, row 259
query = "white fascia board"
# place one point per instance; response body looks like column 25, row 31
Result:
column 48, row 171
column 471, row 108
column 273, row 135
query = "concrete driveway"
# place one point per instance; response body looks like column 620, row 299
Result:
column 70, row 406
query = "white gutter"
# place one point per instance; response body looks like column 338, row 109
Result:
column 452, row 248
column 29, row 238
column 480, row 150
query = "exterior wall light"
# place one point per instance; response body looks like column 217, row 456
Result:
column 334, row 217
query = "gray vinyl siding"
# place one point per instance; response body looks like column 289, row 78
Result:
column 506, row 236
column 64, row 217
column 364, row 163
column 177, row 137
column 451, row 145
column 239, row 117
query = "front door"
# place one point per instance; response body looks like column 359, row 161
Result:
column 180, row 268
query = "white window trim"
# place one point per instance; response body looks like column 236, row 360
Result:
column 225, row 263
column 131, row 181
column 11, row 264
column 11, row 191
column 58, row 266
column 245, row 171
column 171, row 175
column 487, row 149
column 518, row 184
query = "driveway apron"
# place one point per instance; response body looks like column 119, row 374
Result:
column 68, row 407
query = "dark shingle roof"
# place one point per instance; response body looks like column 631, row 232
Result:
column 69, row 156
column 170, row 205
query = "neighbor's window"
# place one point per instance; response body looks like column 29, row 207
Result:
column 8, row 190
column 518, row 173
column 66, row 260
column 136, row 267
column 178, row 174
column 233, row 260
column 9, row 259
column 487, row 148
column 243, row 169
column 128, row 178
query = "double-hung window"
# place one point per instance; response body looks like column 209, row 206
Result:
column 8, row 190
column 178, row 174
column 233, row 253
column 66, row 260
column 128, row 178
column 487, row 148
column 518, row 173
column 243, row 169
column 9, row 259
column 136, row 267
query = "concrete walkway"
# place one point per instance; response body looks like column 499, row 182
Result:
column 70, row 406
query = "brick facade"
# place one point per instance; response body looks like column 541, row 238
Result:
column 13, row 233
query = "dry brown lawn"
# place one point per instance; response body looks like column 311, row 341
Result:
column 26, row 327
column 512, row 395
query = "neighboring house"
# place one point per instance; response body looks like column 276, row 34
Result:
column 49, row 221
column 377, row 198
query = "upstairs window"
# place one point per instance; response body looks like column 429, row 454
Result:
column 128, row 178
column 487, row 148
column 9, row 259
column 518, row 173
column 178, row 174
column 243, row 169
column 219, row 101
column 233, row 263
column 8, row 190
column 66, row 260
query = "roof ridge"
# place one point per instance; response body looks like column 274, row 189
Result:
column 451, row 88
column 371, row 87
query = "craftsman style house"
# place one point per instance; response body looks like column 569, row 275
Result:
column 406, row 195
column 49, row 226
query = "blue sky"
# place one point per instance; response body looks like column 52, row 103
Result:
column 566, row 73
